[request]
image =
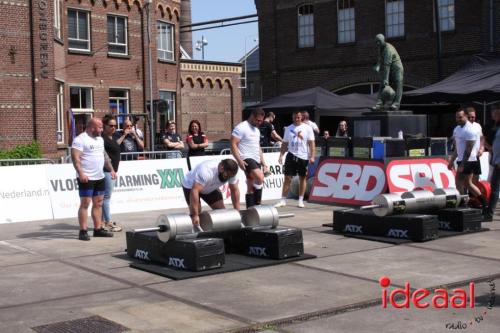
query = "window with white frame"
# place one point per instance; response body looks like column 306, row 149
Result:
column 346, row 21
column 446, row 15
column 60, row 112
column 80, row 99
column 119, row 104
column 117, row 34
column 169, row 96
column 305, row 16
column 57, row 19
column 165, row 40
column 394, row 18
column 78, row 30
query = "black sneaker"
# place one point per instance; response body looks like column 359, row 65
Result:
column 487, row 218
column 83, row 235
column 102, row 233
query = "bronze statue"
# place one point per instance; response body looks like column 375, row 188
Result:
column 390, row 69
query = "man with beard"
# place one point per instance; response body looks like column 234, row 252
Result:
column 89, row 159
column 495, row 165
column 204, row 182
column 245, row 147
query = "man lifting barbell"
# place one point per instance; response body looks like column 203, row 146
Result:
column 204, row 182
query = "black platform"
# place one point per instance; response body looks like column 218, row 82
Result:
column 234, row 262
column 389, row 124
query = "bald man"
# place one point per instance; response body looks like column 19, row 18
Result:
column 89, row 158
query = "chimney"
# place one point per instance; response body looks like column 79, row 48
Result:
column 186, row 38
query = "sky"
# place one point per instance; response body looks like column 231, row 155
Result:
column 224, row 44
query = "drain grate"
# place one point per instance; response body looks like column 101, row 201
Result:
column 94, row 324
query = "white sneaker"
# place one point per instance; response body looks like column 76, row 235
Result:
column 281, row 203
column 301, row 204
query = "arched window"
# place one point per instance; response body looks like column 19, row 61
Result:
column 394, row 18
column 305, row 16
column 346, row 21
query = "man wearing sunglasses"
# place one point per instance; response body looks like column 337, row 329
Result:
column 129, row 141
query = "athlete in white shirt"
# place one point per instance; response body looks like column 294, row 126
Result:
column 204, row 182
column 299, row 142
column 89, row 158
column 245, row 147
column 466, row 153
column 471, row 115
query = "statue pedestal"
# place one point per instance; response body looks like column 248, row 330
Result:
column 389, row 123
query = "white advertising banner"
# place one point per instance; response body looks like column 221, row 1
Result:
column 272, row 184
column 140, row 186
column 24, row 195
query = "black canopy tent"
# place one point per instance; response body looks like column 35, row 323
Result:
column 478, row 82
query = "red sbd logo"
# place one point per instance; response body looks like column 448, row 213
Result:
column 429, row 173
column 401, row 298
column 348, row 181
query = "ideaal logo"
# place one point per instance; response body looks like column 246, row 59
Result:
column 458, row 298
column 166, row 178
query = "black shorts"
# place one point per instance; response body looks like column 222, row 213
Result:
column 473, row 167
column 295, row 165
column 209, row 198
column 251, row 165
column 93, row 188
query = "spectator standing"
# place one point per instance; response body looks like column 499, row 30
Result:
column 245, row 147
column 495, row 165
column 197, row 141
column 129, row 141
column 471, row 115
column 89, row 158
column 171, row 139
column 299, row 141
column 307, row 121
column 342, row 130
column 112, row 148
column 267, row 132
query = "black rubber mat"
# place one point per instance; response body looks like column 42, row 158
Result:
column 234, row 262
column 92, row 324
column 397, row 241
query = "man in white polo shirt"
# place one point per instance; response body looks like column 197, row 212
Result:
column 471, row 115
column 204, row 182
column 467, row 143
column 245, row 147
column 299, row 142
column 89, row 159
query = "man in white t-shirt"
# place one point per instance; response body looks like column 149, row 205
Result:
column 471, row 115
column 204, row 182
column 245, row 147
column 306, row 120
column 89, row 159
column 300, row 144
column 466, row 153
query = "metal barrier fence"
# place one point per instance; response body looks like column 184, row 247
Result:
column 26, row 161
column 227, row 151
column 151, row 155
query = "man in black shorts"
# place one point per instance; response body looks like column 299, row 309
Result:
column 267, row 132
column 299, row 142
column 467, row 143
column 245, row 147
column 204, row 182
column 89, row 159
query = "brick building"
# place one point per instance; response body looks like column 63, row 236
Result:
column 330, row 43
column 91, row 57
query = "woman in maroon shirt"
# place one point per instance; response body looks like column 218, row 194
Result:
column 196, row 139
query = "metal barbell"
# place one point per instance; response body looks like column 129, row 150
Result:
column 415, row 201
column 170, row 227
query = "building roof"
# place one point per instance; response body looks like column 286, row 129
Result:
column 252, row 59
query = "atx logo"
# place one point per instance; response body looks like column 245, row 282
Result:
column 401, row 298
column 141, row 254
column 445, row 225
column 397, row 233
column 353, row 228
column 171, row 178
column 257, row 251
column 176, row 262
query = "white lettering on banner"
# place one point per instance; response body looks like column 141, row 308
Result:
column 348, row 181
column 406, row 175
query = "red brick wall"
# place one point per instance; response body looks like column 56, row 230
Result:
column 286, row 68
